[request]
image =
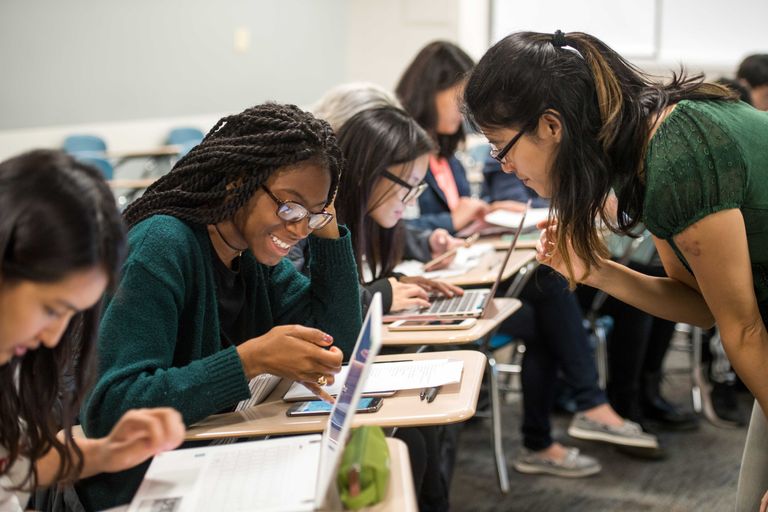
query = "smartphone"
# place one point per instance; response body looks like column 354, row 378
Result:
column 432, row 325
column 319, row 407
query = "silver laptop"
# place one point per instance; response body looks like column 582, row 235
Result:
column 475, row 303
column 285, row 474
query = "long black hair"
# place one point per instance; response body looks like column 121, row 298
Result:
column 607, row 108
column 219, row 176
column 438, row 66
column 58, row 217
column 372, row 141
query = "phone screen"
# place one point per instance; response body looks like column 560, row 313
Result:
column 319, row 406
column 421, row 323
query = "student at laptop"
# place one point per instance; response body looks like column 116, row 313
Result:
column 683, row 157
column 207, row 301
column 62, row 243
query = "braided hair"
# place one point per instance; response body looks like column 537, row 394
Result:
column 221, row 174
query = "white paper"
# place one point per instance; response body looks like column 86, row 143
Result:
column 392, row 377
column 511, row 220
column 467, row 258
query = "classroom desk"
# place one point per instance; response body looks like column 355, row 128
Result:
column 132, row 183
column 400, row 497
column 486, row 271
column 454, row 403
column 169, row 150
column 504, row 308
column 501, row 242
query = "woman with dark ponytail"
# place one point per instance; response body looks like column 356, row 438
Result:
column 576, row 122
column 207, row 300
column 61, row 246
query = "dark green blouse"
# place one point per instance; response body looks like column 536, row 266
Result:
column 705, row 157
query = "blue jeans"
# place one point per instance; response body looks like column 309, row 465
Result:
column 550, row 324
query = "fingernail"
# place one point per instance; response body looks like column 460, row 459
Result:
column 327, row 338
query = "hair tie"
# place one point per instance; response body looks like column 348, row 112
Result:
column 558, row 39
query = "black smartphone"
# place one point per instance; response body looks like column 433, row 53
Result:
column 319, row 407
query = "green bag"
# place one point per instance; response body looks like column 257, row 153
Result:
column 363, row 476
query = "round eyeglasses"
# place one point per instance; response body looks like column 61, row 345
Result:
column 292, row 212
column 412, row 191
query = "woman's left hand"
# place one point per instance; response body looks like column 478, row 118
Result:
column 448, row 290
column 764, row 502
column 139, row 435
column 330, row 230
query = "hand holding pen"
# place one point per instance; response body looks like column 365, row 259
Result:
column 445, row 258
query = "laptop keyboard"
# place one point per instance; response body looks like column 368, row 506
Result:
column 466, row 302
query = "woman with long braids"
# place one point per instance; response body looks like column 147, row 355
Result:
column 575, row 121
column 61, row 245
column 207, row 300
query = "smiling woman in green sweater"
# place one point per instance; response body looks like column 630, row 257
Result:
column 207, row 300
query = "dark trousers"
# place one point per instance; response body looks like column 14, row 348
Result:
column 637, row 345
column 550, row 324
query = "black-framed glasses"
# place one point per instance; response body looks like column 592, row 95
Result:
column 291, row 211
column 413, row 191
column 499, row 155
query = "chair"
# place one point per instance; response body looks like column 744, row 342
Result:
column 101, row 164
column 75, row 144
column 183, row 135
column 492, row 342
column 700, row 387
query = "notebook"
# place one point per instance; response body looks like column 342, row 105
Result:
column 475, row 303
column 284, row 474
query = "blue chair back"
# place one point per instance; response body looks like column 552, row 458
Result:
column 84, row 143
column 101, row 164
column 185, row 135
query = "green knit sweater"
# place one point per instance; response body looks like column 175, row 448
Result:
column 159, row 341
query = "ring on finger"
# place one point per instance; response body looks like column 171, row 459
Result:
column 322, row 380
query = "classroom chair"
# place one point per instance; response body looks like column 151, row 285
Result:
column 498, row 372
column 82, row 143
column 101, row 164
column 184, row 135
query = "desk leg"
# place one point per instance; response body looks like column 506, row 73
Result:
column 496, row 440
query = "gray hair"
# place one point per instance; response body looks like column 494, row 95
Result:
column 342, row 102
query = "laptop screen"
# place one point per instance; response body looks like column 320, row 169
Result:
column 340, row 422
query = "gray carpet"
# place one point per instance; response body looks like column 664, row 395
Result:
column 700, row 473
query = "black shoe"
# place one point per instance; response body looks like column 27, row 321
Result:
column 668, row 416
column 726, row 404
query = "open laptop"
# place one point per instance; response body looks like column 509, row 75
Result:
column 475, row 303
column 285, row 474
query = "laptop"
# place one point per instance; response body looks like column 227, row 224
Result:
column 284, row 474
column 476, row 303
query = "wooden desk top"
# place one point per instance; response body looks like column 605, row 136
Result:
column 400, row 497
column 500, row 243
column 131, row 183
column 504, row 308
column 454, row 403
column 168, row 150
column 484, row 274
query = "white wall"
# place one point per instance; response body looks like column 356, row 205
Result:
column 109, row 65
column 705, row 35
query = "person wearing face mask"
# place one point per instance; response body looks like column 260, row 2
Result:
column 207, row 300
column 61, row 246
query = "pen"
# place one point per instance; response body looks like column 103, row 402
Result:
column 423, row 394
column 432, row 393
